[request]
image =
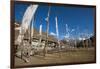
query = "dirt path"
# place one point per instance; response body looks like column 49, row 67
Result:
column 65, row 57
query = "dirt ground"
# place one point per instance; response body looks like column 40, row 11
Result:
column 72, row 56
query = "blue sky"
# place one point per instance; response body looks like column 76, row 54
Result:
column 78, row 19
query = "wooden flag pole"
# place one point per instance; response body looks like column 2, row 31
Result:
column 47, row 31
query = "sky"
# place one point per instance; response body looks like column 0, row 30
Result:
column 72, row 21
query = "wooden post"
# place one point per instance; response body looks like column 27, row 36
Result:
column 47, row 31
column 40, row 34
column 30, row 33
column 58, row 36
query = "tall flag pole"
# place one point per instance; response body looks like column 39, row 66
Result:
column 57, row 33
column 32, row 31
column 87, row 36
column 47, row 20
column 40, row 34
column 57, row 27
column 40, row 30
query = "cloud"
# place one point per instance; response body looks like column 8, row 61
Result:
column 67, row 28
column 66, row 36
column 72, row 30
column 81, row 38
column 52, row 34
column 90, row 35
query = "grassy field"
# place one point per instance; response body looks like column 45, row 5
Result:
column 81, row 55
